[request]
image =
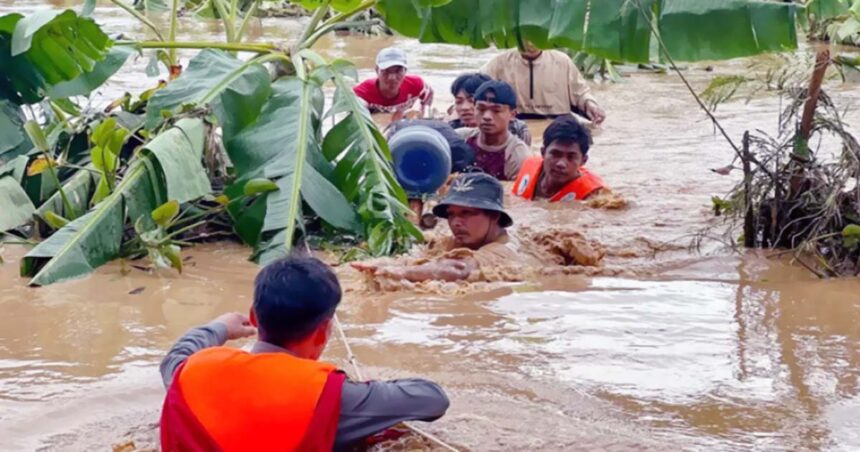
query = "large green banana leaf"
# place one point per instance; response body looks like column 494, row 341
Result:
column 13, row 139
column 78, row 189
column 279, row 145
column 827, row 9
column 90, row 81
column 96, row 237
column 15, row 206
column 210, row 72
column 45, row 49
column 363, row 168
column 615, row 29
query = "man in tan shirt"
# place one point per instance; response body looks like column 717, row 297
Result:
column 547, row 83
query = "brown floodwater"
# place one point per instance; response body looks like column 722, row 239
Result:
column 688, row 350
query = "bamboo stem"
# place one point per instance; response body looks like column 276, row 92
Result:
column 318, row 16
column 822, row 59
column 246, row 20
column 171, row 53
column 749, row 224
column 137, row 15
column 333, row 22
column 234, row 46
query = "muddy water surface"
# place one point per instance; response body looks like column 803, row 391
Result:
column 698, row 351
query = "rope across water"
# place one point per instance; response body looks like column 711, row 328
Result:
column 354, row 363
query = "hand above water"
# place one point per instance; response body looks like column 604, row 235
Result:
column 238, row 325
column 376, row 270
column 594, row 112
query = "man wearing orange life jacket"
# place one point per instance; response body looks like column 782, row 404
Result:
column 558, row 174
column 278, row 396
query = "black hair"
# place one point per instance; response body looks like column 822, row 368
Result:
column 469, row 83
column 292, row 297
column 567, row 128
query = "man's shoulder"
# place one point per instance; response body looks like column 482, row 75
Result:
column 413, row 81
column 366, row 87
column 557, row 57
column 467, row 132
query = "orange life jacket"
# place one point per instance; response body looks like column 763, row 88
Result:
column 228, row 399
column 580, row 188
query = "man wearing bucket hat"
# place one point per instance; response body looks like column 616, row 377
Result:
column 476, row 215
column 392, row 90
column 498, row 152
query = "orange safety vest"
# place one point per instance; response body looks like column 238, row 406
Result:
column 227, row 399
column 580, row 188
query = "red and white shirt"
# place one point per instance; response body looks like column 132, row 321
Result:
column 412, row 89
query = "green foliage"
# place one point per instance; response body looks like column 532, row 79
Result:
column 209, row 73
column 13, row 138
column 46, row 49
column 851, row 236
column 15, row 205
column 614, row 29
column 96, row 237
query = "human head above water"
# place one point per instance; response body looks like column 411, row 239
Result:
column 565, row 150
column 474, row 208
column 390, row 69
column 463, row 89
column 496, row 102
column 294, row 301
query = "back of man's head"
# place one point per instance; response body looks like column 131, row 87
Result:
column 567, row 129
column 469, row 83
column 292, row 297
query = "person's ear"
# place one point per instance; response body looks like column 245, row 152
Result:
column 321, row 335
column 252, row 317
column 543, row 151
column 584, row 159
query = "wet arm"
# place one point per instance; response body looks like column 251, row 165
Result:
column 371, row 407
column 580, row 92
column 211, row 335
column 439, row 270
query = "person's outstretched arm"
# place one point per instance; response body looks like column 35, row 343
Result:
column 214, row 334
column 370, row 407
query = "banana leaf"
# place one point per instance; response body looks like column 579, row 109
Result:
column 278, row 146
column 78, row 189
column 44, row 49
column 88, row 82
column 827, row 9
column 692, row 30
column 15, row 205
column 209, row 71
column 363, row 168
column 13, row 139
column 96, row 237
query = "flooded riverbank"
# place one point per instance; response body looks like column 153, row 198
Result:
column 694, row 351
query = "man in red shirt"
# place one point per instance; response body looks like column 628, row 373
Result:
column 392, row 90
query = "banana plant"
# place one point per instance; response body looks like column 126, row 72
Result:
column 289, row 177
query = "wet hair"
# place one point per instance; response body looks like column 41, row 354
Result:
column 567, row 128
column 469, row 83
column 292, row 297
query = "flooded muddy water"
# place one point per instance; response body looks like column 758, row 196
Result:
column 705, row 350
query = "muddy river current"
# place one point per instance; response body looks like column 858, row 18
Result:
column 677, row 349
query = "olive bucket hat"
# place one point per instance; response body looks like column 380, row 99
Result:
column 476, row 190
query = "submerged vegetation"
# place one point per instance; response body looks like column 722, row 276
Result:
column 800, row 189
column 227, row 149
